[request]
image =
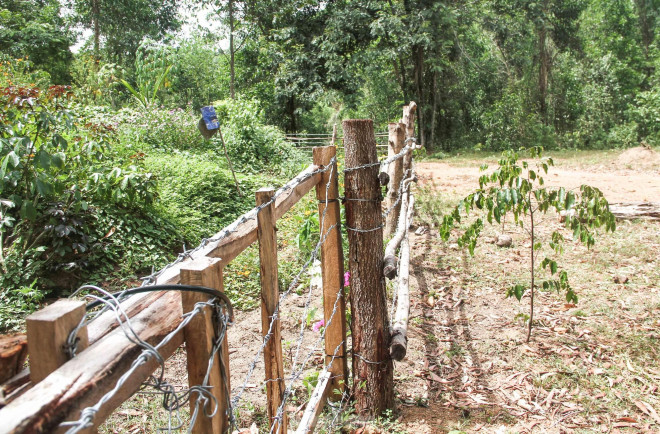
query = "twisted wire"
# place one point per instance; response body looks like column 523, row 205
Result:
column 88, row 414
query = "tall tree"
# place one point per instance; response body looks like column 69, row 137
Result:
column 34, row 28
column 120, row 25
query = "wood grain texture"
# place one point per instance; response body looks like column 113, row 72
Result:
column 47, row 333
column 199, row 335
column 397, row 132
column 273, row 362
column 372, row 365
column 332, row 271
column 82, row 381
column 13, row 352
column 399, row 344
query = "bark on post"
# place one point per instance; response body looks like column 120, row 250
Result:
column 395, row 170
column 200, row 335
column 372, row 365
column 332, row 270
column 13, row 353
column 270, row 294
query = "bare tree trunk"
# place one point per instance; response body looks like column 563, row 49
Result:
column 419, row 83
column 232, row 76
column 544, row 69
column 373, row 384
column 434, row 92
column 292, row 112
column 97, row 31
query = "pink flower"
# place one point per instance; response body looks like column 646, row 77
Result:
column 347, row 277
column 318, row 324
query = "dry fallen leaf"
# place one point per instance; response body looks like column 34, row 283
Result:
column 626, row 419
column 646, row 408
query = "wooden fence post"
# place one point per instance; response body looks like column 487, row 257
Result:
column 47, row 333
column 395, row 170
column 334, row 135
column 332, row 270
column 409, row 121
column 199, row 336
column 372, row 366
column 270, row 294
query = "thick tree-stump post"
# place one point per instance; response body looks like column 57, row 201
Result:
column 372, row 365
column 47, row 333
column 273, row 362
column 200, row 335
column 332, row 270
column 395, row 171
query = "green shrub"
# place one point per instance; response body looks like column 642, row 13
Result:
column 15, row 303
column 198, row 195
column 253, row 146
column 130, row 243
column 157, row 127
column 58, row 168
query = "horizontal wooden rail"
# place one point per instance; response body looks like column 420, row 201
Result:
column 226, row 248
column 243, row 235
column 82, row 381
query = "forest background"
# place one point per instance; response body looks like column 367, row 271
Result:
column 103, row 174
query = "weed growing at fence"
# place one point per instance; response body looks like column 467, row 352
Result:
column 517, row 188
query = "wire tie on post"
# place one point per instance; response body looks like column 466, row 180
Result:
column 362, row 230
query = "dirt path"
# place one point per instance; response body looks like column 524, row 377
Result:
column 618, row 184
column 593, row 367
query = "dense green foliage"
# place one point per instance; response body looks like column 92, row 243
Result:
column 103, row 170
column 35, row 29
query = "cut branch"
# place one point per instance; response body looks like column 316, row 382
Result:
column 390, row 261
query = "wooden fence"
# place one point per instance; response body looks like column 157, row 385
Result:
column 80, row 370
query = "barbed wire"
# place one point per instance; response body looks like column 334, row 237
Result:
column 400, row 192
column 88, row 414
column 205, row 399
column 386, row 162
column 292, row 285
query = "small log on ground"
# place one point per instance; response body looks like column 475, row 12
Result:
column 13, row 352
column 399, row 343
column 629, row 211
column 315, row 404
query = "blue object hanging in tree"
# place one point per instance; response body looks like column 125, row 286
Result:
column 210, row 118
column 209, row 124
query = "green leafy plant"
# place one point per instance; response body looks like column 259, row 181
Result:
column 519, row 189
column 56, row 169
column 146, row 92
column 15, row 303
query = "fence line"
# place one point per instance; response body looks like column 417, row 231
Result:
column 149, row 323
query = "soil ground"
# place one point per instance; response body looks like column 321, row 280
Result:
column 590, row 367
